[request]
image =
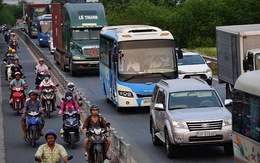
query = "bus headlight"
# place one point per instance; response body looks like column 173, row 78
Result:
column 125, row 93
column 41, row 39
column 227, row 121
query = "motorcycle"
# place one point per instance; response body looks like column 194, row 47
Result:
column 70, row 130
column 7, row 36
column 33, row 123
column 14, row 45
column 9, row 71
column 18, row 99
column 48, row 97
column 39, row 79
column 39, row 160
column 97, row 143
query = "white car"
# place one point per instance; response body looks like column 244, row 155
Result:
column 51, row 47
column 192, row 65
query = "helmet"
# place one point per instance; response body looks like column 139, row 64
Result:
column 50, row 132
column 71, row 86
column 46, row 73
column 94, row 107
column 13, row 50
column 40, row 59
column 68, row 93
column 10, row 49
column 17, row 73
column 12, row 33
column 33, row 92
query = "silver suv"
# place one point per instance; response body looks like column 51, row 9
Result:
column 189, row 112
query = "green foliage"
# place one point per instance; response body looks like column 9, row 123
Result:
column 9, row 14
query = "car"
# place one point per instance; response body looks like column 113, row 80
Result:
column 22, row 27
column 186, row 112
column 192, row 65
column 50, row 40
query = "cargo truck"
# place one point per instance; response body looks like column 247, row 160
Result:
column 76, row 33
column 238, row 51
column 33, row 11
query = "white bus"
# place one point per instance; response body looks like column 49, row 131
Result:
column 133, row 58
column 246, row 118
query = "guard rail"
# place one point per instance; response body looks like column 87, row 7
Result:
column 121, row 151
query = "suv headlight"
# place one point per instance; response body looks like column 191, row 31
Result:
column 179, row 124
column 125, row 93
column 227, row 121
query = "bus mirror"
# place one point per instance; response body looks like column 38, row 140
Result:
column 115, row 58
column 179, row 53
column 245, row 64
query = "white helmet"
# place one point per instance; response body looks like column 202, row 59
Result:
column 71, row 86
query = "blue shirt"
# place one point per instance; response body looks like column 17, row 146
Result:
column 30, row 106
column 19, row 83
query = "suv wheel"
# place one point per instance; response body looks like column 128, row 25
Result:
column 155, row 139
column 170, row 148
column 228, row 147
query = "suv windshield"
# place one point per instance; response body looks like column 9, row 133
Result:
column 193, row 99
column 190, row 60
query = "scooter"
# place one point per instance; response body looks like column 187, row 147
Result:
column 14, row 45
column 7, row 36
column 70, row 130
column 97, row 144
column 9, row 71
column 18, row 99
column 33, row 123
column 39, row 160
column 39, row 79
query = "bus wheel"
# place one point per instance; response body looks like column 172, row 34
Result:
column 228, row 147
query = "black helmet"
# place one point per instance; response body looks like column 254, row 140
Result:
column 51, row 132
column 68, row 93
column 94, row 107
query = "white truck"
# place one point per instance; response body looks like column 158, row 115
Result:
column 238, row 51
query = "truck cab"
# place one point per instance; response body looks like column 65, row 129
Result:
column 252, row 60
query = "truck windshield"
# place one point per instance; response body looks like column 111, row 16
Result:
column 257, row 61
column 193, row 99
column 86, row 34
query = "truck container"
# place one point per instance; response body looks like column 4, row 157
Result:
column 237, row 52
column 76, row 33
column 33, row 11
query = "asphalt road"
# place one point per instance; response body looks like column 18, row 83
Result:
column 133, row 125
column 16, row 149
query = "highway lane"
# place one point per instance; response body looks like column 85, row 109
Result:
column 16, row 149
column 133, row 125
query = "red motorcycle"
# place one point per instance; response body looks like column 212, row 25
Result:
column 18, row 99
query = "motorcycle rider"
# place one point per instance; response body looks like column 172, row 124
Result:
column 95, row 120
column 17, row 82
column 32, row 103
column 51, row 151
column 14, row 69
column 69, row 103
column 47, row 83
column 39, row 68
column 14, row 38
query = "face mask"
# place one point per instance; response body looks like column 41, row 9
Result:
column 69, row 98
column 47, row 78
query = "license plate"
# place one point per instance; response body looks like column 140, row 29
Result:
column 194, row 76
column 202, row 134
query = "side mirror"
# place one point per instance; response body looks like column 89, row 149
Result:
column 228, row 102
column 159, row 107
column 108, row 124
column 57, row 85
column 62, row 98
column 69, row 158
column 58, row 106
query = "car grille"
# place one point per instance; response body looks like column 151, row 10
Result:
column 93, row 52
column 142, row 95
column 206, row 138
column 202, row 76
column 206, row 125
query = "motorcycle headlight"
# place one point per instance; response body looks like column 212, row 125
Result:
column 179, row 124
column 125, row 93
column 227, row 121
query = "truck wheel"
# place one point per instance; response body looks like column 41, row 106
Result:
column 155, row 139
column 170, row 148
column 228, row 148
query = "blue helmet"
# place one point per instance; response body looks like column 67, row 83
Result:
column 50, row 132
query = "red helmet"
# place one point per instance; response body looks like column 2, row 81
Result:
column 40, row 59
column 46, row 73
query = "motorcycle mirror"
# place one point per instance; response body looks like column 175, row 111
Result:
column 70, row 157
column 24, row 77
column 63, row 98
column 58, row 106
column 57, row 85
column 49, row 68
column 108, row 124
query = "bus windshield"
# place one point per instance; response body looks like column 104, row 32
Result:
column 87, row 34
column 45, row 26
column 148, row 56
